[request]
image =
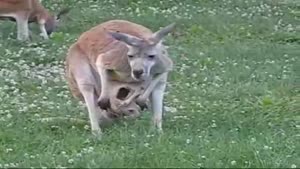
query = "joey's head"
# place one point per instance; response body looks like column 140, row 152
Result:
column 143, row 54
column 118, row 109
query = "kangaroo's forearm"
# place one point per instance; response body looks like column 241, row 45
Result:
column 153, row 84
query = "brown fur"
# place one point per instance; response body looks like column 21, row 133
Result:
column 34, row 8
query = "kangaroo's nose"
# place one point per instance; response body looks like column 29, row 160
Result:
column 138, row 73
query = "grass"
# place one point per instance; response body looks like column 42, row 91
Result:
column 233, row 99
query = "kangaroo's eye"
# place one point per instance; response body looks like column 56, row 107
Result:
column 151, row 56
column 130, row 56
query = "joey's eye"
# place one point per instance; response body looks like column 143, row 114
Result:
column 130, row 56
column 151, row 56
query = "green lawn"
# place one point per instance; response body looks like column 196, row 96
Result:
column 233, row 99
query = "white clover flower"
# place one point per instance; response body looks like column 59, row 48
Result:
column 70, row 161
column 233, row 162
column 267, row 147
column 9, row 116
column 78, row 155
column 214, row 125
column 86, row 127
column 90, row 149
column 9, row 150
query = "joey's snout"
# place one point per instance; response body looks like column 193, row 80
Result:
column 138, row 73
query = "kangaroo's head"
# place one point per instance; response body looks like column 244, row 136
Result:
column 143, row 54
column 53, row 21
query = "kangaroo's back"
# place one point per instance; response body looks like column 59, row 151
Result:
column 97, row 40
column 10, row 6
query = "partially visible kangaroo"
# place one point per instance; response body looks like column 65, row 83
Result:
column 27, row 11
column 123, row 51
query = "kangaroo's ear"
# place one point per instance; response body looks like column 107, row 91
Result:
column 126, row 38
column 159, row 35
column 64, row 11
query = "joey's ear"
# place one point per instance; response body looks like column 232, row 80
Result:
column 159, row 35
column 128, row 39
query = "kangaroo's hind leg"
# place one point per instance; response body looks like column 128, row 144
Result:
column 87, row 86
